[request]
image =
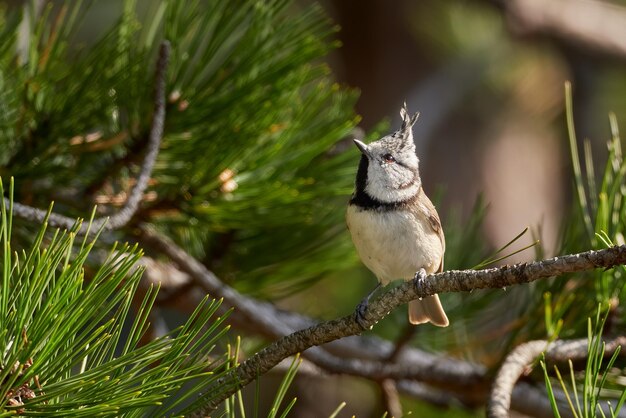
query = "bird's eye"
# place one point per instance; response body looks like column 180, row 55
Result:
column 389, row 158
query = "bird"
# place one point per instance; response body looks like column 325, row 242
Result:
column 393, row 224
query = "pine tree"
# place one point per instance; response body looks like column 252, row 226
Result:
column 251, row 179
column 247, row 176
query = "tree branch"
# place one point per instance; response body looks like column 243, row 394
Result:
column 427, row 394
column 532, row 400
column 520, row 362
column 516, row 363
column 450, row 281
column 132, row 203
column 368, row 355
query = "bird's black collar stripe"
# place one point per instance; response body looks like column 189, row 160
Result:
column 364, row 201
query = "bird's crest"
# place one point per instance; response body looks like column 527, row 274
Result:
column 407, row 120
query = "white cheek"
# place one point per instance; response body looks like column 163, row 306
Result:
column 380, row 186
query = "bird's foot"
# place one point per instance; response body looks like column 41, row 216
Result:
column 361, row 308
column 359, row 313
column 418, row 280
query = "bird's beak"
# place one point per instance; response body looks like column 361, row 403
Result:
column 362, row 147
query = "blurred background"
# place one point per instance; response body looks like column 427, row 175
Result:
column 487, row 77
column 488, row 80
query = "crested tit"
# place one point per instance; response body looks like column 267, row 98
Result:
column 394, row 226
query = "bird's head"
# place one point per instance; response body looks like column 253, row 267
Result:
column 388, row 171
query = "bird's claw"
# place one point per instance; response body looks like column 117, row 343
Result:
column 359, row 313
column 419, row 278
column 361, row 308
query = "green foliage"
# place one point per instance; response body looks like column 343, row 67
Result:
column 284, row 219
column 490, row 323
column 70, row 346
column 601, row 206
column 503, row 252
column 587, row 397
column 234, row 406
column 597, row 223
column 249, row 177
column 246, row 178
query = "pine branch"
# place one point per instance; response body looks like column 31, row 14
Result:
column 125, row 214
column 450, row 281
column 427, row 394
column 521, row 359
column 437, row 372
column 368, row 356
column 362, row 356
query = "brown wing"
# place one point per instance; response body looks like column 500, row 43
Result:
column 429, row 209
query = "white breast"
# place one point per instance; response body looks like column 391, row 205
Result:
column 394, row 244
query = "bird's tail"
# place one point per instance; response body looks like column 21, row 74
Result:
column 428, row 309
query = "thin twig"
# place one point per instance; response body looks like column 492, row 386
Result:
column 125, row 214
column 391, row 398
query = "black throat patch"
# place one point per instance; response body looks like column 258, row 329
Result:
column 364, row 201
